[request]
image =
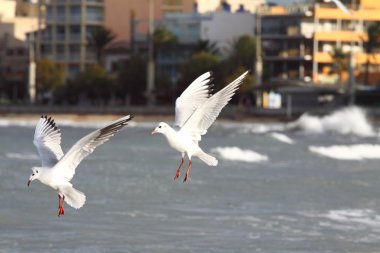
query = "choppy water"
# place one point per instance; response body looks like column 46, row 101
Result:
column 293, row 201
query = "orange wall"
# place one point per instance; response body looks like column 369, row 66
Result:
column 365, row 14
column 360, row 58
column 345, row 36
column 117, row 15
column 375, row 4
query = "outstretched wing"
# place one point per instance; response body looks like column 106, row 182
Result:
column 47, row 139
column 206, row 114
column 194, row 95
column 85, row 146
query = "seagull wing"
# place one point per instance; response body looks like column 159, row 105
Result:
column 206, row 114
column 341, row 6
column 197, row 92
column 47, row 139
column 85, row 146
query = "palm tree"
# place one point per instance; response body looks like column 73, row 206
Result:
column 373, row 33
column 99, row 39
column 340, row 62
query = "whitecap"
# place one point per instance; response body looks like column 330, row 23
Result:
column 363, row 216
column 237, row 154
column 352, row 152
column 21, row 156
column 282, row 137
column 350, row 120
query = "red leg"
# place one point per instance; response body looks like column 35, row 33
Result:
column 187, row 171
column 179, row 170
column 61, row 210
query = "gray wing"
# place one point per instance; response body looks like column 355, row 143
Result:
column 47, row 139
column 85, row 146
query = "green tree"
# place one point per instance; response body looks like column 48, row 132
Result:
column 206, row 46
column 340, row 62
column 132, row 80
column 99, row 39
column 372, row 45
column 93, row 83
column 50, row 76
column 198, row 64
column 244, row 52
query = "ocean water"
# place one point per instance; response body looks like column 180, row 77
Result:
column 271, row 192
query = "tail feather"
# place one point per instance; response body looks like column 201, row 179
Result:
column 74, row 198
column 209, row 160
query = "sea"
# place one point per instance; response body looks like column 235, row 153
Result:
column 309, row 186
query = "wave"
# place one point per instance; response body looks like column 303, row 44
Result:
column 21, row 156
column 350, row 120
column 282, row 138
column 363, row 216
column 351, row 152
column 237, row 154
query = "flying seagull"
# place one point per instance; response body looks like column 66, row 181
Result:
column 58, row 169
column 195, row 111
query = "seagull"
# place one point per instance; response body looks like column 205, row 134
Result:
column 195, row 111
column 58, row 169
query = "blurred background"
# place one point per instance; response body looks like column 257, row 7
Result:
column 301, row 54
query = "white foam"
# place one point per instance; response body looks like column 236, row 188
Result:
column 237, row 154
column 282, row 138
column 21, row 156
column 361, row 216
column 350, row 120
column 352, row 152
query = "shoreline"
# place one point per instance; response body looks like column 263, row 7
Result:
column 90, row 117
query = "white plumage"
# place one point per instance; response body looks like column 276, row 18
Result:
column 195, row 112
column 58, row 169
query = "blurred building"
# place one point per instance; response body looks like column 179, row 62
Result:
column 298, row 40
column 16, row 19
column 68, row 26
column 204, row 6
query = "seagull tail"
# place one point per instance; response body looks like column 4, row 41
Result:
column 209, row 160
column 74, row 197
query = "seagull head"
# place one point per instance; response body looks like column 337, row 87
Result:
column 36, row 172
column 161, row 128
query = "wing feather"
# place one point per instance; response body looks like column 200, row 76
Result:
column 47, row 139
column 341, row 6
column 85, row 146
column 206, row 114
column 194, row 95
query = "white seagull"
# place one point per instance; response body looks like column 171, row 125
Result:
column 58, row 169
column 195, row 111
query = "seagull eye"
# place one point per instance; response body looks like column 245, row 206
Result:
column 33, row 174
column 159, row 127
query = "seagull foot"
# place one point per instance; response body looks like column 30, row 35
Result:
column 186, row 177
column 61, row 211
column 177, row 175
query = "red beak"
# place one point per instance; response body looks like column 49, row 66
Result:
column 154, row 131
column 29, row 181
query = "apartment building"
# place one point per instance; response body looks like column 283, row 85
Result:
column 68, row 26
column 16, row 19
column 298, row 40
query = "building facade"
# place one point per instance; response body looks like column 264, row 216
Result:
column 68, row 26
column 298, row 41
